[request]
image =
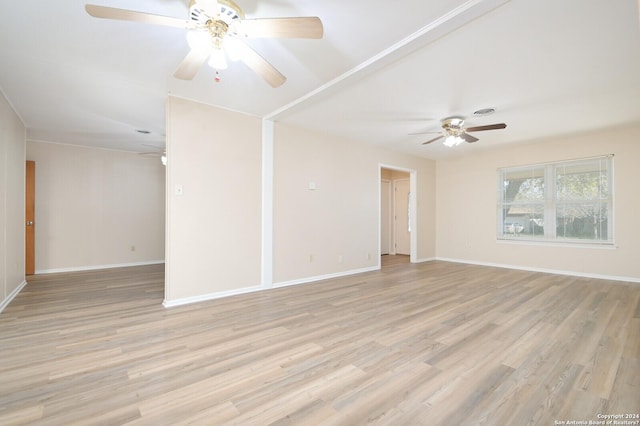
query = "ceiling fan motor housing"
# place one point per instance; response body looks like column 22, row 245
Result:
column 453, row 126
column 203, row 11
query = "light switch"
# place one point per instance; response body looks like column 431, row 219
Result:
column 312, row 186
column 179, row 190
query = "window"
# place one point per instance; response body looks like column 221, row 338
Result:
column 569, row 201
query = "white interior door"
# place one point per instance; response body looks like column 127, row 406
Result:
column 385, row 217
column 401, row 211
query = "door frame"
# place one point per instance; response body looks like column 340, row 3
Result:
column 413, row 210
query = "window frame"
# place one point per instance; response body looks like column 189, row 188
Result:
column 551, row 202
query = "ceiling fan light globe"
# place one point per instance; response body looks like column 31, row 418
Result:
column 218, row 60
column 450, row 141
column 453, row 140
column 199, row 40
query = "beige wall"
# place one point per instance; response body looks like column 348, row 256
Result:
column 214, row 229
column 12, row 172
column 334, row 228
column 467, row 197
column 390, row 174
column 94, row 205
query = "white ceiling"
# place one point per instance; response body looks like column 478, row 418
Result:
column 383, row 70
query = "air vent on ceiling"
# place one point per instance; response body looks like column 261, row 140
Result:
column 484, row 111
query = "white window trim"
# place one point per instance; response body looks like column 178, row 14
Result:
column 550, row 204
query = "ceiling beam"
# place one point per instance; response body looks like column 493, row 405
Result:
column 450, row 21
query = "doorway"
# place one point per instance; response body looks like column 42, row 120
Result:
column 397, row 212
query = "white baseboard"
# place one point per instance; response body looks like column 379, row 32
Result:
column 96, row 267
column 324, row 277
column 245, row 290
column 12, row 296
column 210, row 296
column 545, row 270
column 425, row 259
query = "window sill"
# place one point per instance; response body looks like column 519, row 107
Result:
column 568, row 244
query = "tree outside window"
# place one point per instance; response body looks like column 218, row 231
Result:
column 566, row 201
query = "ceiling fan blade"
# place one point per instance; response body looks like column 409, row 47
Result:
column 468, row 138
column 433, row 140
column 191, row 64
column 423, row 133
column 130, row 15
column 264, row 69
column 488, row 127
column 304, row 27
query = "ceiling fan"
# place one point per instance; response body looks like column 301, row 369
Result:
column 158, row 151
column 455, row 132
column 215, row 31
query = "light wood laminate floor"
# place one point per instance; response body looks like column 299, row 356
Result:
column 435, row 343
column 393, row 260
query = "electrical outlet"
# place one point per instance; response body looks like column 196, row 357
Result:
column 133, row 248
column 310, row 258
column 340, row 259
